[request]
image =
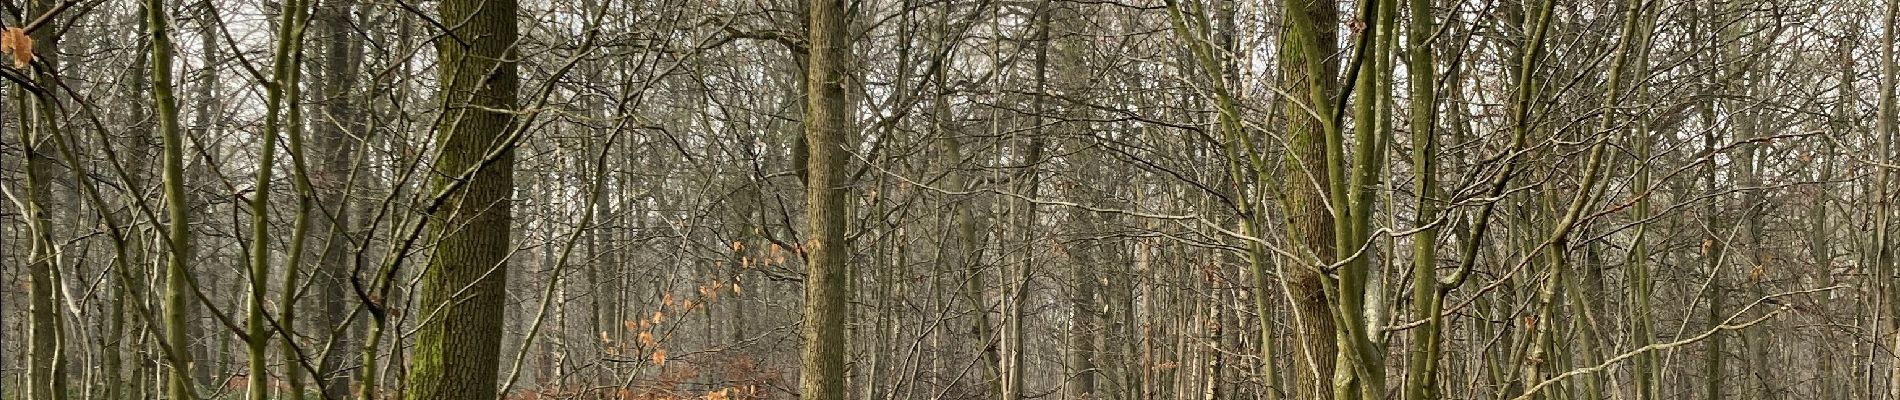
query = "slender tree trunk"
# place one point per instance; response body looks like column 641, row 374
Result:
column 177, row 205
column 1421, row 382
column 1821, row 246
column 1713, row 249
column 1646, row 369
column 1884, row 122
column 138, row 146
column 282, row 88
column 39, row 127
column 1357, row 291
column 334, row 133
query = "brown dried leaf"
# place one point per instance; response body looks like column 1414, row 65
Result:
column 15, row 40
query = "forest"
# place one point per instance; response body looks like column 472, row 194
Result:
column 949, row 199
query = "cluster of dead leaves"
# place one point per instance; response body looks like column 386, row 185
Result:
column 774, row 254
column 15, row 41
column 643, row 328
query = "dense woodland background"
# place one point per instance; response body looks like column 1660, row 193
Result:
column 949, row 199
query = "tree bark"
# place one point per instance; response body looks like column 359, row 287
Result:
column 1307, row 68
column 39, row 127
column 177, row 205
column 827, row 129
column 459, row 342
column 334, row 133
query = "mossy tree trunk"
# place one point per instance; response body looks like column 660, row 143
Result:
column 458, row 343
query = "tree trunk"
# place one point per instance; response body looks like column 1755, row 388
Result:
column 282, row 88
column 177, row 205
column 334, row 133
column 1308, row 68
column 1421, row 377
column 458, row 345
column 827, row 132
column 46, row 369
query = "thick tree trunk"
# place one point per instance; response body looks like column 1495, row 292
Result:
column 458, row 346
column 1308, row 68
column 827, row 129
